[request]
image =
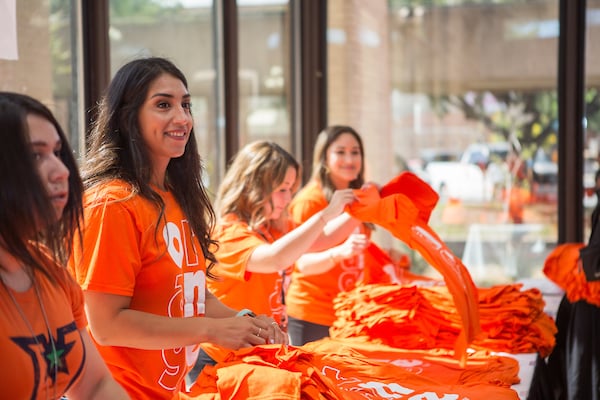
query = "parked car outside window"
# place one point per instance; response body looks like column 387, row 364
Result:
column 474, row 178
column 544, row 177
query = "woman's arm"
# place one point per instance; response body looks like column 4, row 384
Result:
column 215, row 308
column 113, row 323
column 96, row 383
column 339, row 228
column 283, row 252
column 320, row 262
column 335, row 232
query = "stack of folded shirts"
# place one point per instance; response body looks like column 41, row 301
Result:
column 414, row 317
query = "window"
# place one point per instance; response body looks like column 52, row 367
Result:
column 46, row 64
column 591, row 138
column 477, row 79
column 183, row 33
column 264, row 71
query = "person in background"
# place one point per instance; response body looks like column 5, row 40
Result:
column 258, row 242
column 146, row 251
column 571, row 371
column 337, row 165
column 46, row 350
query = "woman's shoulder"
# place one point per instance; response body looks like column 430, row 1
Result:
column 230, row 223
column 308, row 200
column 115, row 190
column 231, row 229
column 55, row 269
column 312, row 191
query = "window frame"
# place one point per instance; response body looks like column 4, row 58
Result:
column 309, row 108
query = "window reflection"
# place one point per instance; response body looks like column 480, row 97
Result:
column 44, row 68
column 264, row 71
column 472, row 88
column 181, row 31
column 592, row 115
column 483, row 77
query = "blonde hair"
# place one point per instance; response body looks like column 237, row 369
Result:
column 255, row 172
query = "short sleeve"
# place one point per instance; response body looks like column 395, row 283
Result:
column 236, row 244
column 109, row 259
column 306, row 203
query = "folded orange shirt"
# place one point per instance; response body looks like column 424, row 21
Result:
column 423, row 316
column 287, row 372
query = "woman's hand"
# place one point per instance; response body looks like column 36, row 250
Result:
column 274, row 335
column 355, row 244
column 368, row 184
column 239, row 332
column 338, row 202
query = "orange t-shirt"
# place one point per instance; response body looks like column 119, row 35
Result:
column 237, row 242
column 564, row 267
column 332, row 372
column 403, row 217
column 308, row 201
column 310, row 297
column 161, row 268
column 28, row 369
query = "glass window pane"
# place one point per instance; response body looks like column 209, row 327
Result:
column 44, row 67
column 591, row 160
column 463, row 94
column 181, row 31
column 264, row 71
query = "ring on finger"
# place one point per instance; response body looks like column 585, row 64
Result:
column 259, row 331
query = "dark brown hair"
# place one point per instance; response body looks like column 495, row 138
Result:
column 319, row 168
column 116, row 149
column 27, row 216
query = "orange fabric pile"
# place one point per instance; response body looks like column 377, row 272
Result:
column 403, row 207
column 414, row 317
column 481, row 367
column 563, row 267
column 380, row 268
column 513, row 320
column 333, row 372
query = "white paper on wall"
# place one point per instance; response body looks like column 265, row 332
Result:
column 8, row 30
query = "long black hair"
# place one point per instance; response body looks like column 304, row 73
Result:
column 116, row 149
column 27, row 216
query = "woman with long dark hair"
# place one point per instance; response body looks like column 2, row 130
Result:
column 46, row 350
column 146, row 250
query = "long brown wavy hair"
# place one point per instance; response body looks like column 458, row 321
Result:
column 254, row 173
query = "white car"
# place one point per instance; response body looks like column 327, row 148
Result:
column 475, row 177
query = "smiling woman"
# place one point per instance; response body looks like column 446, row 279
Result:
column 338, row 164
column 146, row 250
column 257, row 240
column 165, row 123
